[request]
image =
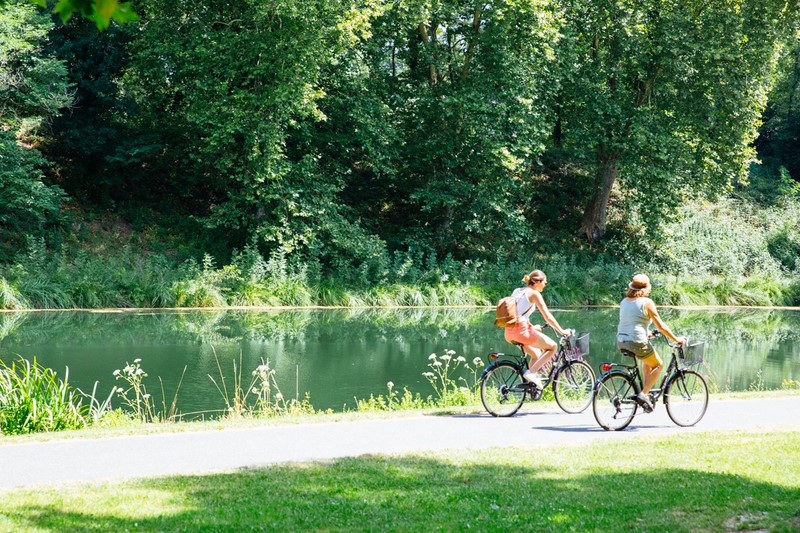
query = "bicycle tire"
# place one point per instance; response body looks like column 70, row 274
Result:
column 502, row 392
column 686, row 397
column 612, row 404
column 573, row 386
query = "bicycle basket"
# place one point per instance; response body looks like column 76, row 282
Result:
column 693, row 352
column 579, row 346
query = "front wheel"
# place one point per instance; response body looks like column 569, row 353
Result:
column 502, row 392
column 686, row 397
column 613, row 403
column 573, row 386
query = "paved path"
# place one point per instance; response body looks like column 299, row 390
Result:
column 225, row 450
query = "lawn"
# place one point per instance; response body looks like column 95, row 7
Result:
column 735, row 481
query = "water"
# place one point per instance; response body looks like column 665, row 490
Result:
column 340, row 355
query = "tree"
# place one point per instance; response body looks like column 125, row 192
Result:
column 33, row 87
column 435, row 118
column 224, row 83
column 665, row 99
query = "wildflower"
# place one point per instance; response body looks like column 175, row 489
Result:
column 428, row 374
column 120, row 390
column 146, row 396
column 116, row 372
column 450, row 352
column 446, row 357
column 279, row 396
column 390, row 385
column 137, row 361
column 432, row 357
column 437, row 363
column 460, row 359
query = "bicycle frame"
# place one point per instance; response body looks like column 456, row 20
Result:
column 635, row 374
column 521, row 360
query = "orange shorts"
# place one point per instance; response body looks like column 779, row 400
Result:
column 522, row 332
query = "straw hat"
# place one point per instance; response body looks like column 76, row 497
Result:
column 640, row 282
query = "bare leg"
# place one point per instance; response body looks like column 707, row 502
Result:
column 651, row 368
column 545, row 349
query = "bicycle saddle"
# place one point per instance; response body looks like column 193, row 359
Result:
column 628, row 353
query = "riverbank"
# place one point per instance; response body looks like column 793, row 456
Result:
column 711, row 477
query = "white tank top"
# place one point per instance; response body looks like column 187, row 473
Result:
column 523, row 303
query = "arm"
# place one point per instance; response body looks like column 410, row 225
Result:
column 536, row 299
column 652, row 312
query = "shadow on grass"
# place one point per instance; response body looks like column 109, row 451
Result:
column 420, row 494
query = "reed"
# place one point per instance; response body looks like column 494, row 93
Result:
column 34, row 399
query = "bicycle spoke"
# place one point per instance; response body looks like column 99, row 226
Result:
column 612, row 404
column 573, row 387
column 686, row 398
column 502, row 392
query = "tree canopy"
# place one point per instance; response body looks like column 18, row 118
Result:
column 344, row 131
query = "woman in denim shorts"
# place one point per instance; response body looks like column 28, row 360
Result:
column 636, row 312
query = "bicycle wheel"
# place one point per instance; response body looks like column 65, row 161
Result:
column 502, row 392
column 686, row 397
column 573, row 386
column 612, row 403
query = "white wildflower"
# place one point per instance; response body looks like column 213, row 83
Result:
column 116, row 372
column 137, row 361
column 432, row 357
column 446, row 357
column 461, row 359
column 278, row 396
column 437, row 363
column 477, row 361
column 451, row 352
column 390, row 385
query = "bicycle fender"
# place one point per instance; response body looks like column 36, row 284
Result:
column 616, row 373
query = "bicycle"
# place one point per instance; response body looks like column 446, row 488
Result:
column 503, row 389
column 684, row 390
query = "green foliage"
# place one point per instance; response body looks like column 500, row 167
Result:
column 33, row 87
column 667, row 98
column 34, row 399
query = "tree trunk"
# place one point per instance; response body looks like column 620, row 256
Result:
column 593, row 225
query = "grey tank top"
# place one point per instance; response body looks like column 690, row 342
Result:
column 633, row 322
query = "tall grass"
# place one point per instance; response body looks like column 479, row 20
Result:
column 728, row 253
column 34, row 399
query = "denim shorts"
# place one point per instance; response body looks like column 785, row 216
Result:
column 642, row 350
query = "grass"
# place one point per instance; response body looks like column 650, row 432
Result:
column 736, row 481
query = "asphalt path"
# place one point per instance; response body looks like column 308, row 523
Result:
column 89, row 460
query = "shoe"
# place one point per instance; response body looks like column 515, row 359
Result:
column 532, row 377
column 644, row 401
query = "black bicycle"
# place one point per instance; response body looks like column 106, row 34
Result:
column 685, row 391
column 503, row 389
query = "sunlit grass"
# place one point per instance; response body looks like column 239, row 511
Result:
column 734, row 481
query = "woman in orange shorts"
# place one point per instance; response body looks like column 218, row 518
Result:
column 536, row 344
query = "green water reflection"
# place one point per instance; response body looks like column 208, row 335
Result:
column 338, row 355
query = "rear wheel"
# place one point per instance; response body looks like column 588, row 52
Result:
column 502, row 390
column 686, row 397
column 613, row 403
column 573, row 386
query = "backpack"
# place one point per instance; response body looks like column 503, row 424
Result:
column 506, row 312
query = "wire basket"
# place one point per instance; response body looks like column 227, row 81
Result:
column 579, row 346
column 692, row 353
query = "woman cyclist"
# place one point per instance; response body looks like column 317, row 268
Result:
column 636, row 312
column 536, row 344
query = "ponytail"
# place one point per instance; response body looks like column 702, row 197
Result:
column 533, row 277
